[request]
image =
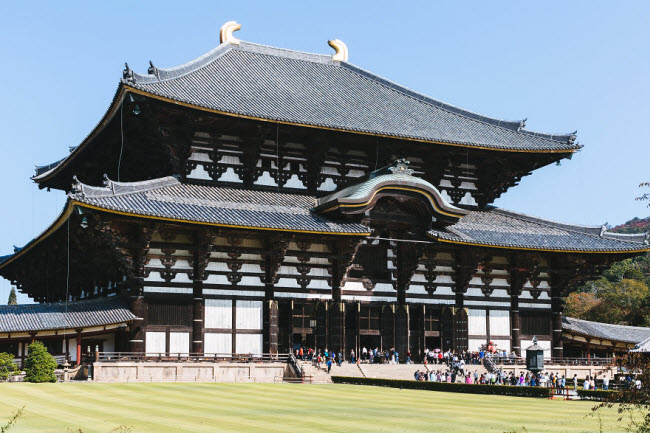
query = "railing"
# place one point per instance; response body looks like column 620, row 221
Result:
column 60, row 360
column 518, row 360
column 189, row 357
column 295, row 365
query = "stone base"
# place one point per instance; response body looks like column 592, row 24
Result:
column 188, row 372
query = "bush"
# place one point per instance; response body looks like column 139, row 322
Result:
column 598, row 394
column 518, row 391
column 39, row 365
column 7, row 366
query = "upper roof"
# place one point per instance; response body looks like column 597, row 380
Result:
column 275, row 84
column 627, row 334
column 495, row 227
column 60, row 315
column 169, row 199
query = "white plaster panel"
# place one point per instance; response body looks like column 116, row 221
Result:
column 199, row 173
column 179, row 343
column 546, row 345
column 249, row 344
column 249, row 315
column 249, row 280
column 294, row 182
column 502, row 344
column 266, row 180
column 476, row 322
column 230, row 176
column 217, row 342
column 155, row 343
column 217, row 279
column 218, row 313
column 444, row 290
column 474, row 344
column 499, row 322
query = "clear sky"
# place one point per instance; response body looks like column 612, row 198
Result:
column 581, row 65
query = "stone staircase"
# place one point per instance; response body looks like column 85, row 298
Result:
column 375, row 371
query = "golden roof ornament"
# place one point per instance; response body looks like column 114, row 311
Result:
column 401, row 167
column 341, row 54
column 225, row 34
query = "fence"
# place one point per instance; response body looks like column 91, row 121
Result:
column 187, row 357
column 519, row 360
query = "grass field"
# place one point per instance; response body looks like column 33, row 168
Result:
column 174, row 407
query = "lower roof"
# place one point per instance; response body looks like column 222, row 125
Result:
column 606, row 331
column 62, row 315
column 169, row 199
column 500, row 228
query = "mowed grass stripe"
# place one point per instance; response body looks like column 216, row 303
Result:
column 172, row 407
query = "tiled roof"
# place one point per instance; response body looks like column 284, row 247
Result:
column 501, row 228
column 309, row 89
column 643, row 346
column 78, row 314
column 397, row 177
column 627, row 334
column 168, row 198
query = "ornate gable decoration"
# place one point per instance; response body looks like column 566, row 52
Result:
column 395, row 181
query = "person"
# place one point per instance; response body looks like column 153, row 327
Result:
column 329, row 365
column 340, row 358
column 301, row 353
column 416, row 375
column 575, row 382
column 408, row 357
column 606, row 382
column 352, row 356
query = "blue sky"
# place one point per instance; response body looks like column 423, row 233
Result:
column 563, row 65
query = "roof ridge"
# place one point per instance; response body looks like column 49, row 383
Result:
column 606, row 324
column 112, row 188
column 596, row 231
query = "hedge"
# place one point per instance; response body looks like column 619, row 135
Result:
column 517, row 391
column 597, row 394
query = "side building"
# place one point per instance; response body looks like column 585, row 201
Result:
column 258, row 199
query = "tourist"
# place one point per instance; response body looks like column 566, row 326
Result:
column 351, row 356
column 575, row 382
column 329, row 365
column 606, row 382
column 340, row 358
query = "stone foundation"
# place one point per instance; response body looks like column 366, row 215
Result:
column 188, row 372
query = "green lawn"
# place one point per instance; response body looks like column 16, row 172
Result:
column 173, row 407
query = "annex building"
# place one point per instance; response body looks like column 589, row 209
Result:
column 259, row 198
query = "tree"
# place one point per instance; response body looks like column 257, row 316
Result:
column 581, row 304
column 12, row 297
column 39, row 364
column 7, row 365
column 634, row 401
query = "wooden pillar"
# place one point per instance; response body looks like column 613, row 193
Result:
column 516, row 280
column 78, row 347
column 136, row 329
column 271, row 326
column 558, row 282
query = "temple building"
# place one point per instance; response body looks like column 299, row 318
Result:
column 257, row 199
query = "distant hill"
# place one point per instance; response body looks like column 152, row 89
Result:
column 635, row 225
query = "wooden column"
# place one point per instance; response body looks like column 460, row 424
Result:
column 516, row 279
column 559, row 280
column 136, row 329
column 203, row 242
column 275, row 250
column 343, row 253
column 79, row 347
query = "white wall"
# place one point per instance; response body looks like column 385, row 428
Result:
column 218, row 313
column 155, row 343
column 249, row 343
column 217, row 342
column 179, row 343
column 249, row 315
column 499, row 322
column 476, row 322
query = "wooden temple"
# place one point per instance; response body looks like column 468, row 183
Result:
column 257, row 199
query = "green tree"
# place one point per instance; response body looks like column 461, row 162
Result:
column 39, row 364
column 7, row 366
column 12, row 297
